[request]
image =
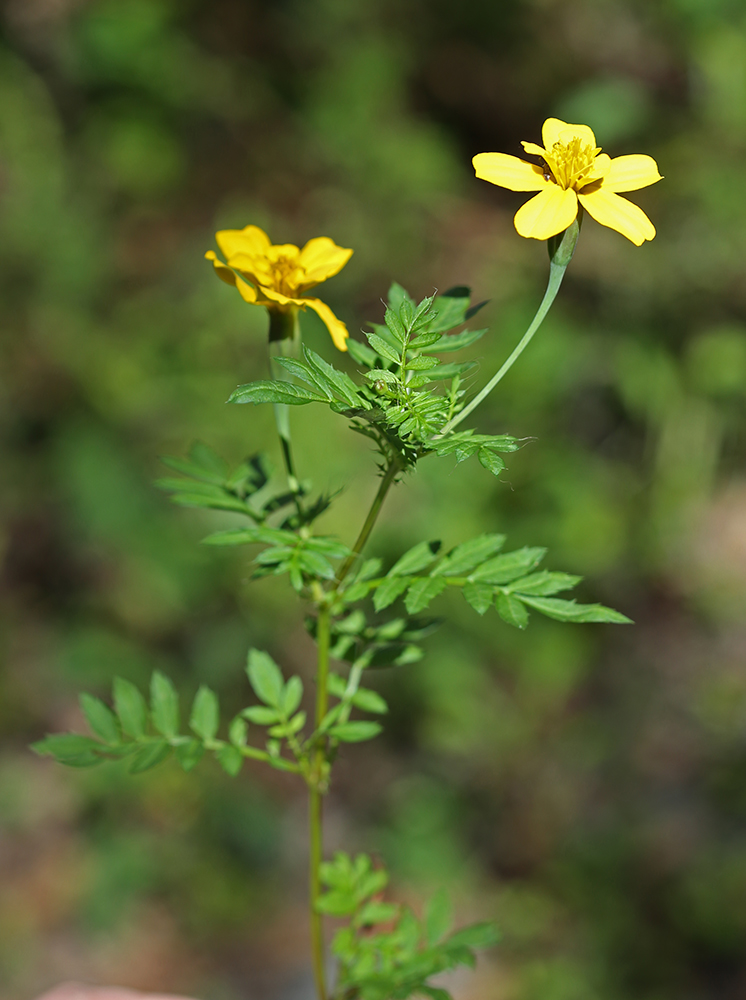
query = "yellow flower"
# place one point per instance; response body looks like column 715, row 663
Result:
column 573, row 170
column 279, row 275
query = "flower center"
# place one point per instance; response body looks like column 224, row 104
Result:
column 571, row 162
column 286, row 274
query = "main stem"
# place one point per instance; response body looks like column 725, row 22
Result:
column 318, row 780
column 375, row 509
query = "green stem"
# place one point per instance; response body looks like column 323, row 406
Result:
column 285, row 340
column 561, row 251
column 375, row 509
column 318, row 779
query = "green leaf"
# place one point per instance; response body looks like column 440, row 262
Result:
column 544, row 583
column 189, row 754
column 149, row 755
column 483, row 935
column 193, row 470
column 292, row 695
column 265, row 678
column 164, row 705
column 211, row 503
column 275, row 392
column 416, row 559
column 469, row 554
column 369, row 701
column 238, row 732
column 438, row 917
column 361, row 353
column 204, row 456
column 422, row 592
column 130, row 707
column 511, row 566
column 205, row 716
column 376, row 913
column 315, row 564
column 422, row 363
column 101, row 719
column 390, row 589
column 261, row 716
column 382, row 349
column 355, row 732
column 341, row 383
column 458, row 341
column 570, row 611
column 356, row 592
column 511, row 610
column 331, row 547
column 490, row 461
column 230, row 759
column 289, row 728
column 425, row 340
column 307, row 375
column 479, row 596
column 251, row 536
column 450, row 310
column 337, row 904
column 69, row 748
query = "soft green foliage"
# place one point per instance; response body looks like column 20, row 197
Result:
column 402, row 405
column 386, row 952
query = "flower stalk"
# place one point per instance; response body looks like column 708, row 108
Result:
column 561, row 249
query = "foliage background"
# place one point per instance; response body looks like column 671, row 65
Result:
column 585, row 785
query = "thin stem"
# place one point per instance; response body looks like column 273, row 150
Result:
column 375, row 509
column 284, row 340
column 561, row 250
column 315, row 803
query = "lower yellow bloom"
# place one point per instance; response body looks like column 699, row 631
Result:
column 276, row 276
column 574, row 170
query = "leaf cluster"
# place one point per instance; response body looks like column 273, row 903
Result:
column 485, row 577
column 385, row 951
column 209, row 483
column 303, row 556
column 408, row 396
column 146, row 733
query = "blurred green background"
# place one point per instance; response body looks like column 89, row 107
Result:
column 583, row 785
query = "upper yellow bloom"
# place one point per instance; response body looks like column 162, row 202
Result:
column 280, row 274
column 573, row 170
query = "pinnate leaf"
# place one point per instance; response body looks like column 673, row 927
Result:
column 130, row 707
column 101, row 719
column 205, row 715
column 511, row 610
column 265, row 678
column 164, row 705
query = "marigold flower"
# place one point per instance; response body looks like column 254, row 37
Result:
column 276, row 276
column 573, row 170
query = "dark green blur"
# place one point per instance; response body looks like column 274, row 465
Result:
column 585, row 786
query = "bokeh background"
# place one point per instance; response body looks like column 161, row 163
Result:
column 585, row 786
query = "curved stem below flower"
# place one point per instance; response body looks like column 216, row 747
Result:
column 561, row 250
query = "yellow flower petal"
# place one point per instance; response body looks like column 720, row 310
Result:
column 226, row 275
column 335, row 326
column 599, row 170
column 321, row 258
column 630, row 173
column 509, row 172
column 547, row 213
column 255, row 267
column 283, row 300
column 619, row 214
column 555, row 130
column 251, row 240
column 533, row 149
